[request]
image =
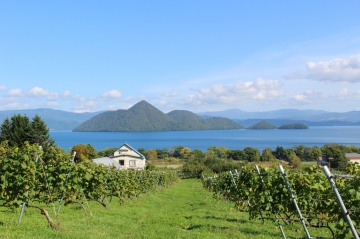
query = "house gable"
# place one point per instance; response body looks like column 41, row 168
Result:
column 127, row 151
column 126, row 157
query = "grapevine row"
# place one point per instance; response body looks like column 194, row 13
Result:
column 264, row 194
column 30, row 176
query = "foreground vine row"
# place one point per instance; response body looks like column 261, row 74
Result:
column 31, row 177
column 265, row 195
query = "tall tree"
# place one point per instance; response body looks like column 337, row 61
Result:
column 335, row 153
column 82, row 152
column 152, row 155
column 17, row 130
column 93, row 153
column 107, row 152
column 294, row 160
column 5, row 130
column 40, row 132
column 217, row 152
column 236, row 154
column 252, row 154
column 267, row 155
column 185, row 152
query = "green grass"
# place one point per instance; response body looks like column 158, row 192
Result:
column 185, row 210
column 307, row 164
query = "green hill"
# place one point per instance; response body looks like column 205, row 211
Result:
column 145, row 117
column 262, row 125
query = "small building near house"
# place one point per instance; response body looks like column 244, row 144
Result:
column 126, row 157
column 353, row 157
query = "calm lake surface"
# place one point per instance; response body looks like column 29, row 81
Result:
column 231, row 139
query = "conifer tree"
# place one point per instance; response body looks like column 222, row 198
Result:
column 19, row 129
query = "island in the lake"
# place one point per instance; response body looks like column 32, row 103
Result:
column 266, row 125
column 144, row 117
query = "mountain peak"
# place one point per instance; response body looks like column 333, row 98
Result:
column 141, row 103
column 145, row 117
column 144, row 107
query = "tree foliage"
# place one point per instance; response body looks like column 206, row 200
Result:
column 252, row 154
column 107, row 152
column 19, row 129
column 267, row 155
column 152, row 155
column 335, row 153
column 84, row 152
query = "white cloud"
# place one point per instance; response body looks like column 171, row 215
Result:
column 302, row 99
column 67, row 93
column 343, row 96
column 336, row 70
column 344, row 92
column 112, row 94
column 260, row 89
column 85, row 106
column 2, row 87
column 15, row 92
column 170, row 94
column 36, row 91
column 39, row 92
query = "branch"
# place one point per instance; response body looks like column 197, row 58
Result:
column 44, row 212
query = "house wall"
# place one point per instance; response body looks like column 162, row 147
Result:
column 131, row 158
column 353, row 157
column 355, row 161
column 130, row 162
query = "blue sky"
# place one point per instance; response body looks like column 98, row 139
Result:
column 86, row 56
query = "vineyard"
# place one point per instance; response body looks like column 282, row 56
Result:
column 312, row 197
column 48, row 179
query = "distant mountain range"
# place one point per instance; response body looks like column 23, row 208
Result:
column 280, row 117
column 186, row 120
column 55, row 119
column 145, row 117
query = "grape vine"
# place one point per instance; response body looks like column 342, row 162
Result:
column 266, row 195
column 30, row 176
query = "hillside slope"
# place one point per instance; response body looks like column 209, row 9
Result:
column 145, row 117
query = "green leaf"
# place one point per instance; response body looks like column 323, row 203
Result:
column 358, row 195
column 23, row 165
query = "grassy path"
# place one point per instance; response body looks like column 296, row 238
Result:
column 185, row 210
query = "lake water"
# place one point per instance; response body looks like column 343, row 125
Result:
column 231, row 139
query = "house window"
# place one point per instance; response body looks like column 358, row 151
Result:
column 132, row 163
column 122, row 162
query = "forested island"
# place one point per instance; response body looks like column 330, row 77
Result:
column 145, row 117
column 266, row 125
column 294, row 126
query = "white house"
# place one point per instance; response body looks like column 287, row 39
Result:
column 126, row 157
column 353, row 157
